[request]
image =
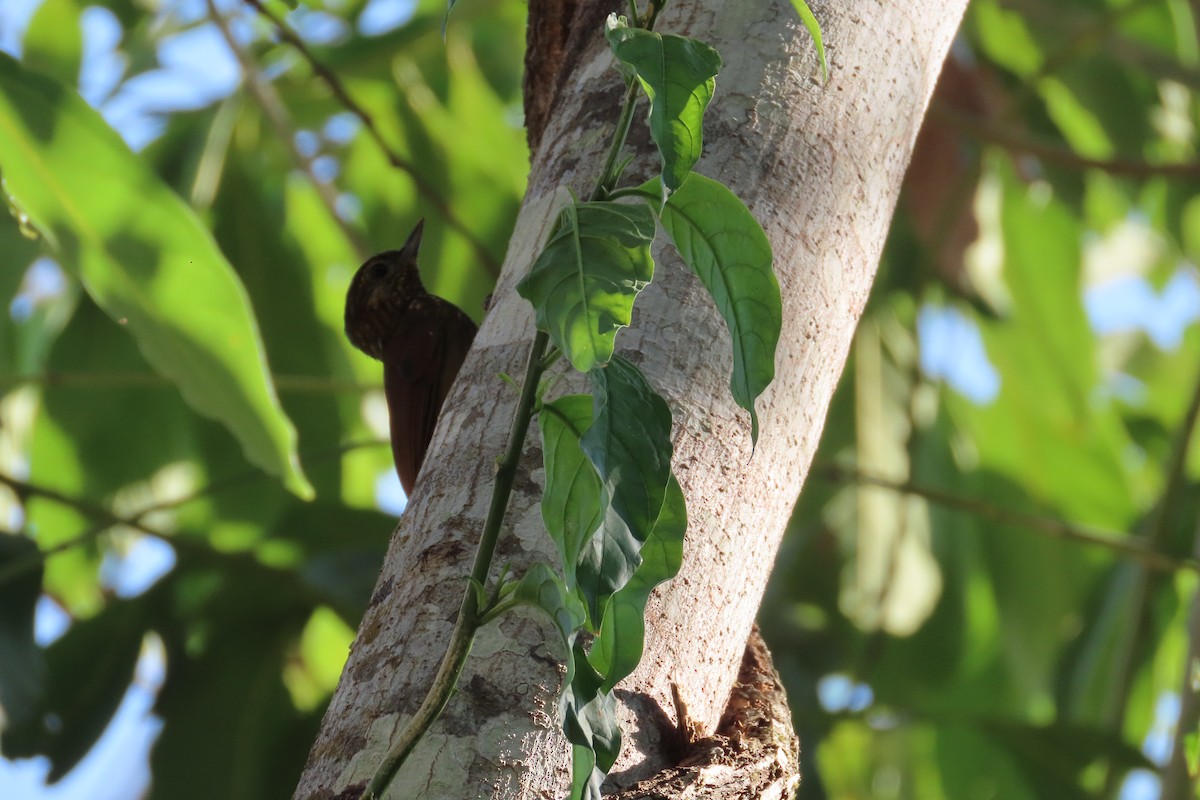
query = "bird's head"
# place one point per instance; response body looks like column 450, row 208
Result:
column 382, row 289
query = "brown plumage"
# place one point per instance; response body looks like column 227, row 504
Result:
column 421, row 339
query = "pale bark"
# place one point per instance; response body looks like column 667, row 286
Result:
column 820, row 167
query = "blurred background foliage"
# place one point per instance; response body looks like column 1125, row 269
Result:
column 987, row 584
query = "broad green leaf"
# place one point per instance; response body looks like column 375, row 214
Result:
column 571, row 502
column 145, row 258
column 606, row 563
column 229, row 706
column 1045, row 431
column 722, row 242
column 54, row 41
column 677, row 75
column 1006, row 37
column 629, row 445
column 583, row 285
column 814, row 30
column 617, row 649
column 585, row 778
column 574, row 505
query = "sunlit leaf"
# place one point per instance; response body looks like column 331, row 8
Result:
column 583, row 285
column 814, row 30
column 144, row 258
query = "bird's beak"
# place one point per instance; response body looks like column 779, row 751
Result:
column 408, row 253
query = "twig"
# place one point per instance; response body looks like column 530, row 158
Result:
column 1016, row 141
column 1124, row 544
column 299, row 384
column 105, row 518
column 1125, row 650
column 275, row 111
column 427, row 189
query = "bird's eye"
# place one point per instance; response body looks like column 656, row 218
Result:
column 378, row 270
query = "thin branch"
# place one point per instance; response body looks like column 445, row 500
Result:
column 1177, row 780
column 398, row 161
column 1121, row 543
column 103, row 518
column 275, row 111
column 1079, row 42
column 299, row 384
column 1138, row 597
column 106, row 518
column 308, row 457
column 1018, row 142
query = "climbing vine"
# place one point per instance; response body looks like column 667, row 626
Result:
column 611, row 504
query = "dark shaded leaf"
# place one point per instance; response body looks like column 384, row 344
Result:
column 617, row 648
column 22, row 662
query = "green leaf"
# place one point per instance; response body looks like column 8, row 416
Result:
column 722, row 242
column 145, row 258
column 617, row 649
column 229, row 706
column 574, row 504
column 89, row 671
column 54, row 41
column 542, row 588
column 588, row 714
column 590, row 723
column 814, row 30
column 571, row 502
column 583, row 285
column 629, row 443
column 677, row 75
column 22, row 662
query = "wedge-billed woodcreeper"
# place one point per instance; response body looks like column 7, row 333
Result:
column 421, row 340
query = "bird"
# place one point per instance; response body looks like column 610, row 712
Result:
column 421, row 339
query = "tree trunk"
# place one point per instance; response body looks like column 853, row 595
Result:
column 820, row 166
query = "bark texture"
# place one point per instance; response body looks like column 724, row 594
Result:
column 820, row 167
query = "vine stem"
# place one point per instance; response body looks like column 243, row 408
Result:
column 611, row 172
column 467, row 624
